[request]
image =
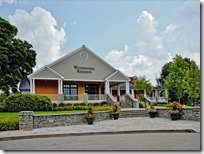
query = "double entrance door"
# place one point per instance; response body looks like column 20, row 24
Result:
column 92, row 91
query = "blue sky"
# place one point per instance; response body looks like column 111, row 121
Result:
column 137, row 37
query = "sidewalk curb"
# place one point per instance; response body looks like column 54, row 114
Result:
column 97, row 133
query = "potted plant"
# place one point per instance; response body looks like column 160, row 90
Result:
column 90, row 116
column 174, row 110
column 115, row 111
column 152, row 111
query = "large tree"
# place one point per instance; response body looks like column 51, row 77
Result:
column 16, row 57
column 192, row 82
column 182, row 78
column 141, row 84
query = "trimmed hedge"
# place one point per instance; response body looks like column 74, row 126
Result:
column 25, row 102
column 104, row 103
column 61, row 105
column 68, row 104
column 160, row 104
column 94, row 104
column 5, row 126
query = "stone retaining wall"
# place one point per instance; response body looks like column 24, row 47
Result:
column 29, row 121
column 188, row 113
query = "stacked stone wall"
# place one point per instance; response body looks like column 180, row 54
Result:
column 187, row 113
column 29, row 121
column 26, row 120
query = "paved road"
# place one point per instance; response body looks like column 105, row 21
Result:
column 138, row 141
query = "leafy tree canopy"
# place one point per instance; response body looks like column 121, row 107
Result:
column 141, row 83
column 182, row 78
column 16, row 57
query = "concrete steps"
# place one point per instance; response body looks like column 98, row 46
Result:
column 125, row 113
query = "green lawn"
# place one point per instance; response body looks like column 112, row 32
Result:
column 13, row 116
column 8, row 116
column 8, row 121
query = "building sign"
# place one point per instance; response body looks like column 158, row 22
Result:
column 83, row 69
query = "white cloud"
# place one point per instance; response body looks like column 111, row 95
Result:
column 148, row 41
column 153, row 49
column 147, row 23
column 170, row 28
column 39, row 29
column 9, row 2
column 128, row 64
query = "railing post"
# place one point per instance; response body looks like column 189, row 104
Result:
column 85, row 98
column 107, row 87
column 127, row 87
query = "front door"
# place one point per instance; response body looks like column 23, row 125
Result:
column 92, row 91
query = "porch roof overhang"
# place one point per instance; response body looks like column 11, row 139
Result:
column 46, row 73
column 123, row 86
column 117, row 76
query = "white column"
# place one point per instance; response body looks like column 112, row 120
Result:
column 59, row 86
column 127, row 87
column 145, row 93
column 33, row 91
column 31, row 86
column 132, row 92
column 107, row 87
column 118, row 90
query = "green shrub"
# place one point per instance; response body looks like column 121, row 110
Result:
column 76, row 104
column 97, row 104
column 2, row 109
column 54, row 105
column 93, row 104
column 2, row 97
column 143, row 105
column 104, row 108
column 90, row 104
column 59, row 108
column 61, row 104
column 159, row 103
column 5, row 126
column 68, row 104
column 154, row 103
column 23, row 102
column 68, row 108
column 82, row 104
column 104, row 103
column 81, row 107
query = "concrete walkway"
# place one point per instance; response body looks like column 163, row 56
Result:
column 122, row 125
